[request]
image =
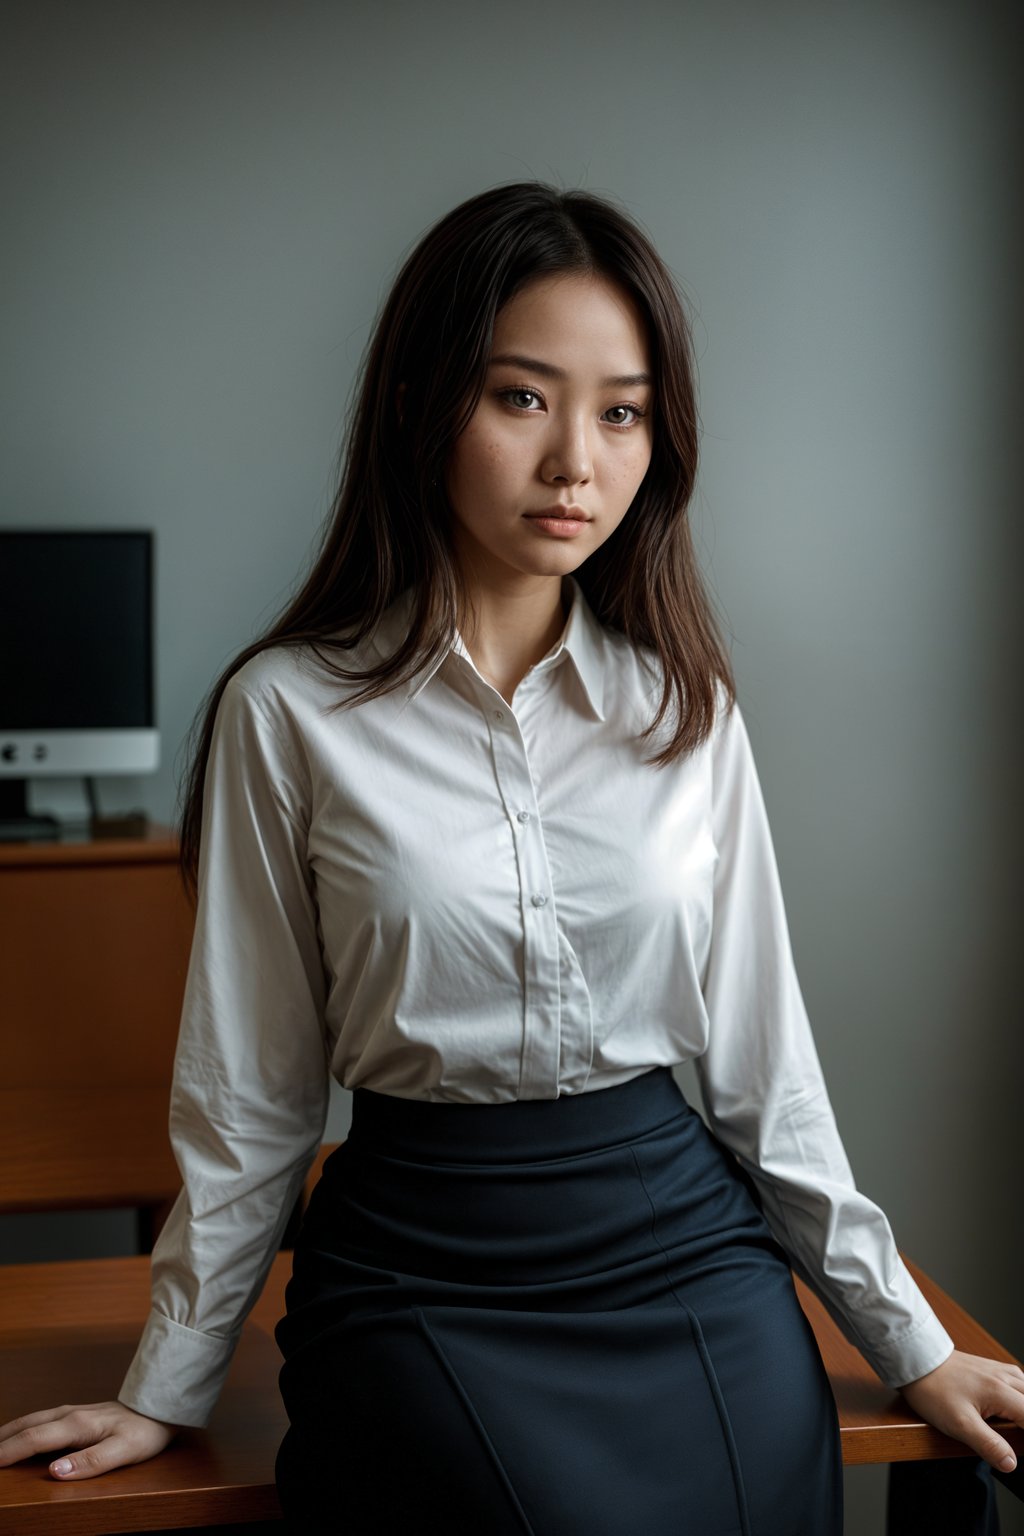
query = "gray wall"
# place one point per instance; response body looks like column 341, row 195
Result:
column 204, row 204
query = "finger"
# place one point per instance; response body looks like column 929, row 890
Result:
column 1009, row 1405
column 27, row 1420
column 987, row 1442
column 93, row 1460
column 1010, row 1375
column 36, row 1439
column 77, row 1427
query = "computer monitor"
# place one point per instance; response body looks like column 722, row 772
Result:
column 76, row 658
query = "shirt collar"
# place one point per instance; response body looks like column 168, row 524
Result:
column 582, row 640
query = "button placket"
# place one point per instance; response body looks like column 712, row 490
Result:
column 577, row 1023
column 541, row 967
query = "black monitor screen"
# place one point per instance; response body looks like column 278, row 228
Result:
column 75, row 631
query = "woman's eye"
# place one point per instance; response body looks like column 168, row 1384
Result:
column 522, row 399
column 624, row 415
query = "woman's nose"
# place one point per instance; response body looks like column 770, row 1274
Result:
column 568, row 457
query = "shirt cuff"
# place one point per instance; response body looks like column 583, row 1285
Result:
column 177, row 1373
column 905, row 1359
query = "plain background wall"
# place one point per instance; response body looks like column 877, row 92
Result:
column 204, row 203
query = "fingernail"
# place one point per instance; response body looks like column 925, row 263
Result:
column 1008, row 1463
column 61, row 1468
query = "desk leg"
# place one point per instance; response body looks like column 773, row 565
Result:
column 941, row 1498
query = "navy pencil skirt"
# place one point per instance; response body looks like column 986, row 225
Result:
column 561, row 1317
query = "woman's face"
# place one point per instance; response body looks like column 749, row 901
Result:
column 563, row 427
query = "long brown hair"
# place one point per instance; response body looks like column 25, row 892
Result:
column 390, row 523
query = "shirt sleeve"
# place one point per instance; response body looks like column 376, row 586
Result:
column 250, row 1087
column 766, row 1098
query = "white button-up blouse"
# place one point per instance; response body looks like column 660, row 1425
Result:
column 442, row 896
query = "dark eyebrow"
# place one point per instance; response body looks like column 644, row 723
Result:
column 549, row 371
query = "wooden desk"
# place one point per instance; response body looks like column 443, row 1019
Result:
column 67, row 1334
column 96, row 940
column 67, row 1331
column 96, row 937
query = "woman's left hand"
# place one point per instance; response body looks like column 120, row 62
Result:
column 965, row 1390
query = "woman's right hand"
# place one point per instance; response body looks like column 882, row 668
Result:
column 92, row 1437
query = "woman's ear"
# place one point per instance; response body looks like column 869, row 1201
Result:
column 400, row 403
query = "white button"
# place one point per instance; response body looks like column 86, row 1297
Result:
column 523, row 816
column 499, row 714
column 539, row 901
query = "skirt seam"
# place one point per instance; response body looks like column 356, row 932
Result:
column 723, row 1418
column 714, row 1386
column 467, row 1403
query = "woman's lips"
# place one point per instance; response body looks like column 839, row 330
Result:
column 561, row 527
column 564, row 525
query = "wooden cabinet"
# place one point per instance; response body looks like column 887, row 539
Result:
column 94, row 941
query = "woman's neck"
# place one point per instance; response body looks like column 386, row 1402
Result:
column 508, row 629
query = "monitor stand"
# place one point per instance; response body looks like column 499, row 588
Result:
column 17, row 822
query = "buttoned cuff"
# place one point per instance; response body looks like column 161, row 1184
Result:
column 177, row 1373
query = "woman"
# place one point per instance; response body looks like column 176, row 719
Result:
column 477, row 826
